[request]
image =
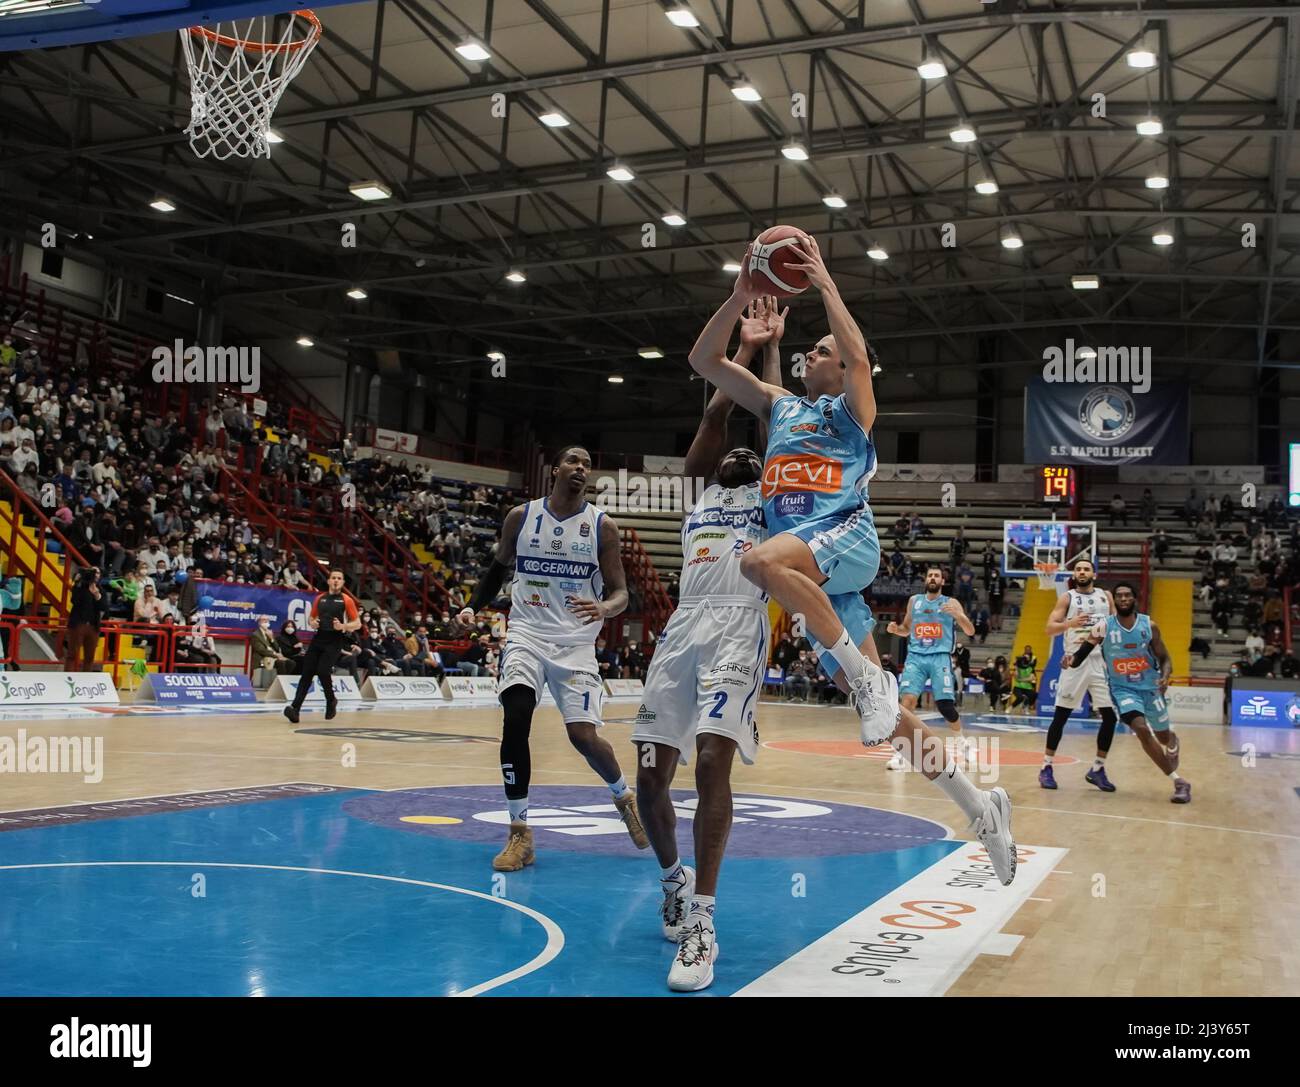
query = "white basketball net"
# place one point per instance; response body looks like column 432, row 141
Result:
column 237, row 73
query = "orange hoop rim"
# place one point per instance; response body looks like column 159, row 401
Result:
column 263, row 47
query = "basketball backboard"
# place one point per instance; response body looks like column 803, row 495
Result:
column 41, row 24
column 1046, row 549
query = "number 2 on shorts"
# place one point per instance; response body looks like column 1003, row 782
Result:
column 719, row 700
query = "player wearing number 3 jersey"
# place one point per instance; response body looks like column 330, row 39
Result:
column 824, row 550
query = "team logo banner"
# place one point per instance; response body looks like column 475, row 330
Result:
column 1265, row 708
column 1195, row 705
column 57, row 688
column 285, row 687
column 464, row 688
column 1072, row 423
column 196, row 688
column 239, row 607
column 401, row 688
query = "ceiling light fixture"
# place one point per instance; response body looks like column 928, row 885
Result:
column 473, row 50
column 370, row 190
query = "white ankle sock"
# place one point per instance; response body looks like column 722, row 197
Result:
column 701, row 909
column 518, row 809
column 1047, row 760
column 848, row 656
column 961, row 791
column 619, row 787
column 673, row 874
column 1174, row 776
column 1099, row 763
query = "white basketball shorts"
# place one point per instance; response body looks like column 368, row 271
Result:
column 705, row 677
column 569, row 671
column 1089, row 677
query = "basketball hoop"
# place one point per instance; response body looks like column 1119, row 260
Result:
column 236, row 78
column 1047, row 574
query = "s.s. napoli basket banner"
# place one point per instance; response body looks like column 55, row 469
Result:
column 1071, row 423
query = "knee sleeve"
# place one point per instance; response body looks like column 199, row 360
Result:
column 518, row 704
column 947, row 709
column 1131, row 716
column 1106, row 733
column 1057, row 727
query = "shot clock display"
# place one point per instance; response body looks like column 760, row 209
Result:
column 1056, row 485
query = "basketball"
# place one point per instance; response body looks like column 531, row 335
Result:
column 770, row 260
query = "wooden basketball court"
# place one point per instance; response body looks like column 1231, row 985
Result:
column 1147, row 898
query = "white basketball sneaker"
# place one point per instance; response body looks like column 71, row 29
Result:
column 697, row 951
column 874, row 694
column 677, row 896
column 993, row 829
column 898, row 762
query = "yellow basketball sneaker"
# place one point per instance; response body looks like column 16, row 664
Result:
column 632, row 819
column 518, row 851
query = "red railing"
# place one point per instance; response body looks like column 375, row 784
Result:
column 115, row 635
column 261, row 517
column 38, row 532
column 349, row 534
column 656, row 604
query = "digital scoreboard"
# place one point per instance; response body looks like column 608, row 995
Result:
column 1056, row 485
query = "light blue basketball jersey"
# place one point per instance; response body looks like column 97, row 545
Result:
column 819, row 461
column 932, row 630
column 1129, row 659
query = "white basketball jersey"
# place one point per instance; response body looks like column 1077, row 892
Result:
column 1093, row 604
column 725, row 523
column 555, row 560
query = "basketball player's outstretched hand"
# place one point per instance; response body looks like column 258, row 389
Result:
column 754, row 330
column 590, row 611
column 810, row 257
column 745, row 288
column 776, row 319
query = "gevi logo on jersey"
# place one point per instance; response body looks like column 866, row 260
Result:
column 802, row 473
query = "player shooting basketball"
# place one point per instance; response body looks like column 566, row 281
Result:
column 824, row 549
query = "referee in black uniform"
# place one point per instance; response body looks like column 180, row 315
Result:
column 334, row 615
